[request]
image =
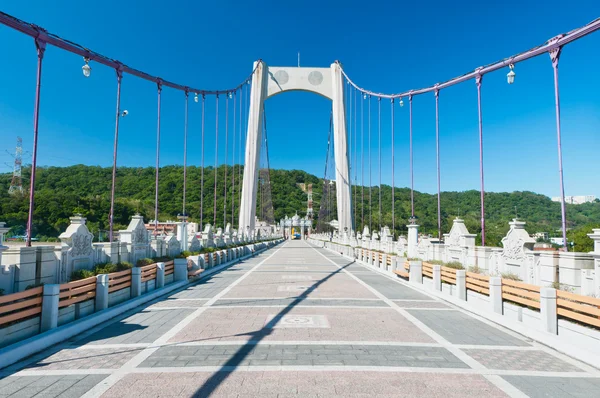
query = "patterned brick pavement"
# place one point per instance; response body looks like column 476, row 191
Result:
column 298, row 321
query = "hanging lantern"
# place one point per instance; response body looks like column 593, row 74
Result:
column 86, row 69
column 196, row 97
column 510, row 76
column 401, row 102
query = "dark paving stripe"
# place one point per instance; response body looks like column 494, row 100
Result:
column 48, row 386
column 143, row 327
column 303, row 355
column 303, row 301
column 390, row 289
column 559, row 387
column 460, row 328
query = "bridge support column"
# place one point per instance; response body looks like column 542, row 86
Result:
column 265, row 83
column 253, row 145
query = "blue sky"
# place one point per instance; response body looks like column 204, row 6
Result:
column 385, row 46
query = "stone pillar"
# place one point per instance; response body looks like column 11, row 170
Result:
column 101, row 292
column 461, row 284
column 416, row 272
column 496, row 294
column 413, row 240
column 3, row 230
column 160, row 275
column 548, row 310
column 595, row 236
column 383, row 264
column 49, row 316
column 182, row 235
column 437, row 277
column 180, row 271
column 136, row 282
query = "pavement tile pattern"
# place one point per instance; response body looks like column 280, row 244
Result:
column 298, row 321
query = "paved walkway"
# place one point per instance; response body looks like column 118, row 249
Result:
column 298, row 321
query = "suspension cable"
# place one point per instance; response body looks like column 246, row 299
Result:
column 326, row 197
column 216, row 160
column 226, row 160
column 351, row 160
column 370, row 174
column 185, row 134
column 355, row 162
column 157, row 161
column 393, row 182
column 362, row 162
column 240, row 180
column 379, row 132
column 233, row 162
column 202, row 165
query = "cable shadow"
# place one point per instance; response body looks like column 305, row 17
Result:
column 222, row 374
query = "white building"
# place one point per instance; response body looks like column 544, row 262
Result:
column 576, row 200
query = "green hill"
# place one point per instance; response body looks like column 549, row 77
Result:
column 63, row 191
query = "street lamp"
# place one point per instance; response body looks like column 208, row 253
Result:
column 510, row 76
column 86, row 69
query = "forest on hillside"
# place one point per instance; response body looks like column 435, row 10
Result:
column 64, row 191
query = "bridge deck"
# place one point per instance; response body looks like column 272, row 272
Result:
column 298, row 321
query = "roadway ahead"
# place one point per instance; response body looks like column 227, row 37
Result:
column 298, row 321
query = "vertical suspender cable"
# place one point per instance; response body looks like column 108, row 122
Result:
column 437, row 152
column 355, row 160
column 216, row 160
column 114, row 169
column 362, row 161
column 241, row 156
column 412, row 176
column 233, row 162
column 478, row 80
column 41, row 47
column 379, row 132
column 202, row 167
column 393, row 182
column 226, row 160
column 159, row 86
column 185, row 128
column 370, row 175
column 351, row 159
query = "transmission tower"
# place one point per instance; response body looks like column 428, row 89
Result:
column 309, row 210
column 16, row 184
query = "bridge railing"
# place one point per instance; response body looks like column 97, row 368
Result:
column 552, row 310
column 40, row 309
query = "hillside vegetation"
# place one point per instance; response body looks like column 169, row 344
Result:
column 64, row 191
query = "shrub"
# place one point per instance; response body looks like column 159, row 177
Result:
column 562, row 286
column 475, row 269
column 454, row 265
column 105, row 268
column 511, row 276
column 185, row 254
column 161, row 259
column 438, row 262
column 33, row 286
column 1, row 292
column 144, row 261
column 81, row 274
column 124, row 265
